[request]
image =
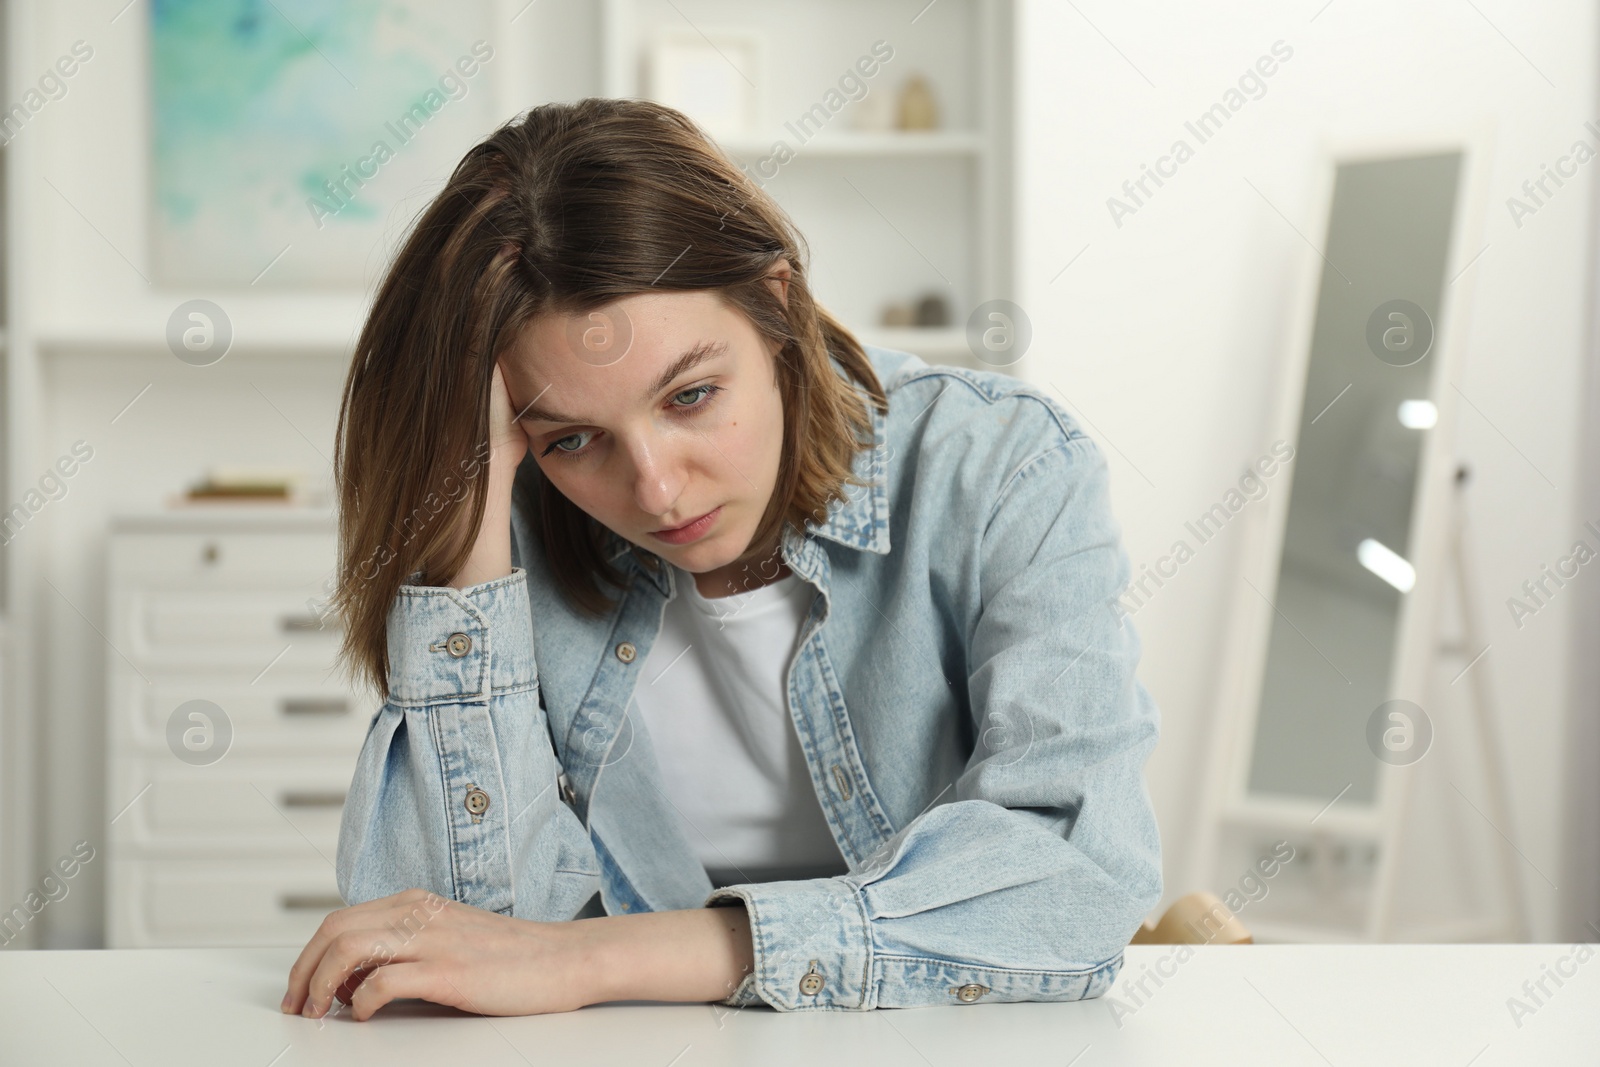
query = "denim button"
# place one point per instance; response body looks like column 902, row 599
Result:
column 477, row 800
column 811, row 981
column 970, row 992
column 626, row 652
column 458, row 645
column 564, row 786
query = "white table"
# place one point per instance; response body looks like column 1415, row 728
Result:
column 1265, row 1004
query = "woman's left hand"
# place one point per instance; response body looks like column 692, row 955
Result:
column 419, row 944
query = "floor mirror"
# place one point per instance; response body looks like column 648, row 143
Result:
column 1332, row 645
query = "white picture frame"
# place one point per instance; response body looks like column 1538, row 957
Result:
column 715, row 78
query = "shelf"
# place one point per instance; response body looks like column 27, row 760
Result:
column 318, row 320
column 1279, row 813
column 240, row 515
column 922, row 340
column 862, row 144
column 1270, row 931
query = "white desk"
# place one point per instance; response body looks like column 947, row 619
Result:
column 1270, row 1004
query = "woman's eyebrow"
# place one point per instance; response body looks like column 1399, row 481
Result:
column 697, row 355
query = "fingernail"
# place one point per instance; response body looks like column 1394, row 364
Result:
column 285, row 1005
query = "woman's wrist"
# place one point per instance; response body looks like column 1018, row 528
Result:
column 693, row 955
column 491, row 549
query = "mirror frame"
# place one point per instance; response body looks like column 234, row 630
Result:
column 1226, row 801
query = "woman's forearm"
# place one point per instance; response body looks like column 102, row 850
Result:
column 491, row 550
column 697, row 954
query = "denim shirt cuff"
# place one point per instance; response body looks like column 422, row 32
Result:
column 812, row 945
column 744, row 995
column 451, row 646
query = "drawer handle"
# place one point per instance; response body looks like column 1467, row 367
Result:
column 308, row 624
column 310, row 901
column 316, row 706
column 311, row 798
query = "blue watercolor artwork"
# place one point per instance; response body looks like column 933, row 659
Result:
column 294, row 141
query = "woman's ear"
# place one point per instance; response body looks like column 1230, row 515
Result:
column 778, row 277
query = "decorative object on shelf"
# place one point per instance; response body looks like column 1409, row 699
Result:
column 248, row 483
column 932, row 311
column 711, row 77
column 918, row 110
column 875, row 112
column 897, row 314
column 268, row 168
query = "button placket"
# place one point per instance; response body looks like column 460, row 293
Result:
column 817, row 707
column 584, row 741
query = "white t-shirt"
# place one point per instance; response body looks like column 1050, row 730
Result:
column 712, row 698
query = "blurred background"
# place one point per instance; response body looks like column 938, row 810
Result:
column 1317, row 276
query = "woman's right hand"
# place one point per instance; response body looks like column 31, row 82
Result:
column 491, row 548
column 506, row 437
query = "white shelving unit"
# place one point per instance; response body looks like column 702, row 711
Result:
column 890, row 215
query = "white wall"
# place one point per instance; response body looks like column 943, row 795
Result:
column 1167, row 332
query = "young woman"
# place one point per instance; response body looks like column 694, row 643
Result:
column 723, row 659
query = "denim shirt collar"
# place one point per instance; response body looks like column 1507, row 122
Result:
column 860, row 519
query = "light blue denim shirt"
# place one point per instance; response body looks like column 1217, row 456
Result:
column 962, row 689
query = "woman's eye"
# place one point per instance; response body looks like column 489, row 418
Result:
column 569, row 445
column 694, row 400
column 695, row 395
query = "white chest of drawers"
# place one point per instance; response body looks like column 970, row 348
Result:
column 225, row 814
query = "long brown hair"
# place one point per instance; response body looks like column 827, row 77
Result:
column 564, row 210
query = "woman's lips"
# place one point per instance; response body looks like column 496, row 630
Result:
column 692, row 531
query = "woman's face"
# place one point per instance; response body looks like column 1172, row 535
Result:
column 660, row 417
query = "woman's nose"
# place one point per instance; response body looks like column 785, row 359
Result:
column 658, row 479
